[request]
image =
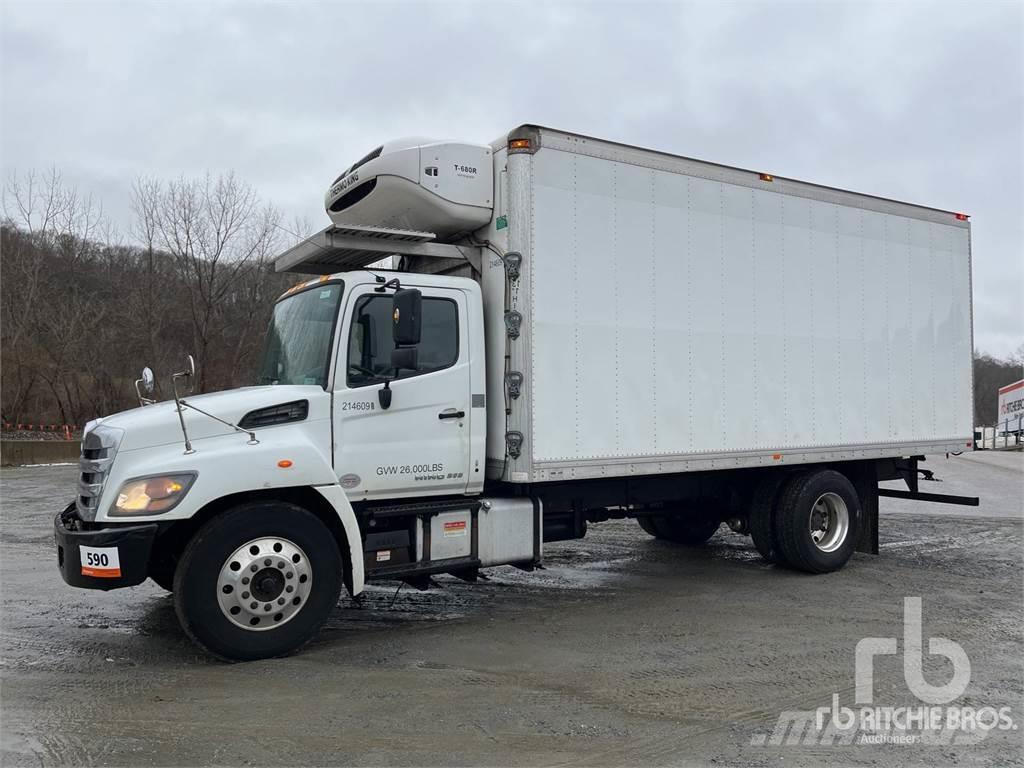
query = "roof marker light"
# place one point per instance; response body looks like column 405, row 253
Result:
column 766, row 177
column 961, row 216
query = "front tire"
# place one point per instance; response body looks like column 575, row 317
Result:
column 161, row 571
column 818, row 521
column 257, row 581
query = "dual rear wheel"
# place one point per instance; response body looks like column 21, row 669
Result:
column 692, row 529
column 806, row 520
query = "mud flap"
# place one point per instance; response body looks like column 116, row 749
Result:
column 866, row 483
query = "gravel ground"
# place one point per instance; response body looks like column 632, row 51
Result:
column 624, row 650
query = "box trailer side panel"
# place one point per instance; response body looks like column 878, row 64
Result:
column 683, row 316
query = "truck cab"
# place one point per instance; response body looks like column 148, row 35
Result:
column 440, row 397
column 332, row 426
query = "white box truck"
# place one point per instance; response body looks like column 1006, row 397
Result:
column 576, row 330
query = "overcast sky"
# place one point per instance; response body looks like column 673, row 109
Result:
column 912, row 101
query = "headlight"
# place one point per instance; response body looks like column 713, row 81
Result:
column 152, row 495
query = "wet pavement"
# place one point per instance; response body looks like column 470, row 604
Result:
column 624, row 650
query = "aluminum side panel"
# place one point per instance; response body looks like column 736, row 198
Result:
column 674, row 315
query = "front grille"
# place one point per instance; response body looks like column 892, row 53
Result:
column 99, row 445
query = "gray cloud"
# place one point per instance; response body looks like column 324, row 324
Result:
column 912, row 101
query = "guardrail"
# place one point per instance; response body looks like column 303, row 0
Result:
column 21, row 452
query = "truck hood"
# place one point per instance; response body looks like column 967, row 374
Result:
column 158, row 424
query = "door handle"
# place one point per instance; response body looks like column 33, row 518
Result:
column 451, row 415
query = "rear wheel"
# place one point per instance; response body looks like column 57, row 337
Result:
column 647, row 523
column 763, row 508
column 258, row 581
column 690, row 529
column 818, row 519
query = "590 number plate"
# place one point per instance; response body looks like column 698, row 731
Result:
column 100, row 562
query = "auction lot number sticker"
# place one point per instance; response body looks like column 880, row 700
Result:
column 100, row 562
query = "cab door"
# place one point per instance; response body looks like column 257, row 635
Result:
column 420, row 445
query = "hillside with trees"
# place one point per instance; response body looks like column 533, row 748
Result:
column 82, row 311
column 990, row 374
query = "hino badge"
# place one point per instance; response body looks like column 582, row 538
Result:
column 573, row 330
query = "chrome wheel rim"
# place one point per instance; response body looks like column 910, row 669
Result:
column 829, row 522
column 264, row 584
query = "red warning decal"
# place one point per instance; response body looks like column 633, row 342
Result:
column 455, row 528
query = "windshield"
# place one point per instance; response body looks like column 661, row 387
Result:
column 298, row 347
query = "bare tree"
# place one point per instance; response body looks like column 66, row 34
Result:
column 81, row 312
column 44, row 310
column 216, row 231
column 989, row 375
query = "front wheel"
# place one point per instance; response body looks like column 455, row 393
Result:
column 257, row 581
column 161, row 571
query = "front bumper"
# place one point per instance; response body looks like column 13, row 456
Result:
column 101, row 558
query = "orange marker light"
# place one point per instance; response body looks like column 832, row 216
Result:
column 284, row 463
column 519, row 144
column 766, row 177
column 776, row 456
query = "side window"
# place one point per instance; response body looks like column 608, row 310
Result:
column 370, row 343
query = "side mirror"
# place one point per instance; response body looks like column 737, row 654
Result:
column 401, row 357
column 191, row 374
column 405, row 332
column 405, row 312
column 144, row 386
column 404, row 358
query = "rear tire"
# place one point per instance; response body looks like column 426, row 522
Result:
column 763, row 526
column 691, row 530
column 818, row 521
column 257, row 581
column 647, row 523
